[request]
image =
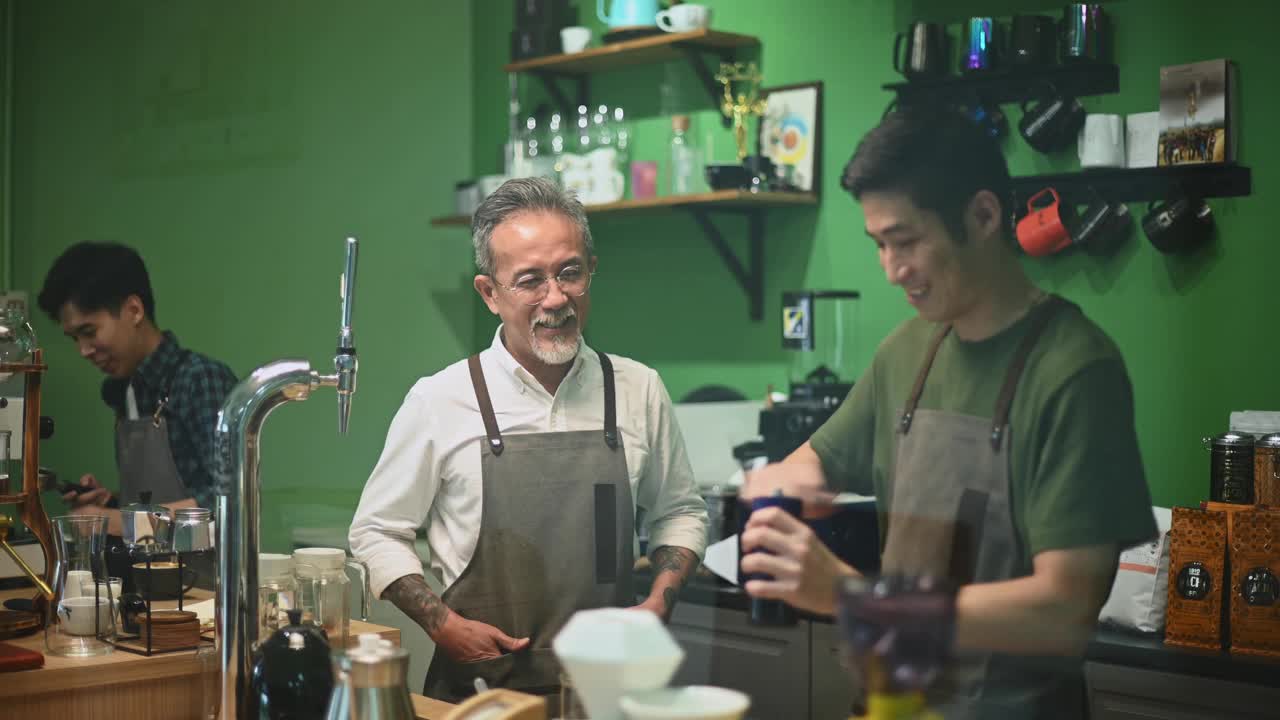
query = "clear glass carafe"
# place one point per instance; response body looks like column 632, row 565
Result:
column 17, row 345
column 324, row 595
column 81, row 585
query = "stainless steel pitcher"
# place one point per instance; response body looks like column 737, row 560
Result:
column 370, row 682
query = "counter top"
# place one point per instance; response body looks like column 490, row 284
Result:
column 1108, row 645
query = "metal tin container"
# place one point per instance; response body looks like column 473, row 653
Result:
column 1231, row 468
column 1266, row 469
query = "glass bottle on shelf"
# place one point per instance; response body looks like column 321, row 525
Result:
column 684, row 171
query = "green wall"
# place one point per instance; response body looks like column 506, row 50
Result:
column 235, row 144
column 1194, row 330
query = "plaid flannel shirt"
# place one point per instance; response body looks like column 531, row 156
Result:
column 197, row 386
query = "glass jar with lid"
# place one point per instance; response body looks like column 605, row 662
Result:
column 324, row 590
column 277, row 592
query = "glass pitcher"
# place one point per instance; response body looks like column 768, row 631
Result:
column 323, row 591
column 81, row 620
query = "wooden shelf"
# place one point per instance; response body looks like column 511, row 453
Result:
column 1011, row 85
column 1140, row 184
column 654, row 49
column 717, row 199
column 747, row 269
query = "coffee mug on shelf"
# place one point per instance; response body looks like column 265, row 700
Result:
column 925, row 50
column 1141, row 139
column 982, row 41
column 684, row 18
column 574, row 39
column 1101, row 141
column 1051, row 121
column 1101, row 226
column 1044, row 230
column 1179, row 223
column 1032, row 40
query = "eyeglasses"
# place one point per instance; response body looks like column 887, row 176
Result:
column 533, row 289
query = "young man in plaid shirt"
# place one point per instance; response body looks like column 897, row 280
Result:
column 165, row 398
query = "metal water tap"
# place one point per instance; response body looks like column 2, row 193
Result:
column 237, row 450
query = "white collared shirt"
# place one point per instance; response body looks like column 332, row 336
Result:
column 429, row 471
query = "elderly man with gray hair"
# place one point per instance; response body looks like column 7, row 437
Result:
column 528, row 463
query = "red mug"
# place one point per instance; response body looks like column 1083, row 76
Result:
column 1042, row 231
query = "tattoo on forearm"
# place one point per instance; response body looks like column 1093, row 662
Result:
column 678, row 560
column 411, row 594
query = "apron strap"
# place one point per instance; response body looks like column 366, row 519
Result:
column 610, row 404
column 168, row 384
column 913, row 401
column 486, row 405
column 1005, row 401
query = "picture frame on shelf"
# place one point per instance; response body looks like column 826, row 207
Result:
column 790, row 135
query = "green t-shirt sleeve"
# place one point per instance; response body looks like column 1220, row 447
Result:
column 845, row 443
column 1087, row 485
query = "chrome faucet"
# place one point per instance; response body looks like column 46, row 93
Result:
column 237, row 451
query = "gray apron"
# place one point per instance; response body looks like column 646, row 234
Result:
column 143, row 457
column 556, row 532
column 949, row 513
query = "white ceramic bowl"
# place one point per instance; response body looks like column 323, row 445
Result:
column 692, row 702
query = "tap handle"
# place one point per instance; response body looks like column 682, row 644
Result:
column 346, row 336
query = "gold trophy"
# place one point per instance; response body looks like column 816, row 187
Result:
column 746, row 103
column 751, row 173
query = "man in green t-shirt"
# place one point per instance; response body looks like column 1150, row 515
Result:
column 995, row 429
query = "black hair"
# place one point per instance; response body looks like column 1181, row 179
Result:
column 936, row 156
column 96, row 276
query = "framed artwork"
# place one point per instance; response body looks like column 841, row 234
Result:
column 790, row 134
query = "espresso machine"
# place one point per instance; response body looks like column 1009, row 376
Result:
column 821, row 369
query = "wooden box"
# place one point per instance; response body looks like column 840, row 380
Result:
column 1197, row 570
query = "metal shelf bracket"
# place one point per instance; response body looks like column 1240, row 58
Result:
column 750, row 276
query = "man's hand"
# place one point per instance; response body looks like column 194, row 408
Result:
column 461, row 639
column 115, row 525
column 467, row 641
column 94, row 495
column 804, row 571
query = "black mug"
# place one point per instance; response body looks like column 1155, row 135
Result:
column 1033, row 40
column 1180, row 223
column 926, row 50
column 1101, row 226
column 1052, row 123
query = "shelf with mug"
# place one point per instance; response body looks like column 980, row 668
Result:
column 748, row 269
column 643, row 51
column 1010, row 85
column 577, row 67
column 713, row 200
column 1207, row 180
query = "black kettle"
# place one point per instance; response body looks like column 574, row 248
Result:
column 1053, row 122
column 291, row 677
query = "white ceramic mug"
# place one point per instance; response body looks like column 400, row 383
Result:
column 76, row 615
column 1101, row 141
column 683, row 18
column 574, row 39
column 1141, row 139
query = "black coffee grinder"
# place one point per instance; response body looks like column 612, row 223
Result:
column 821, row 368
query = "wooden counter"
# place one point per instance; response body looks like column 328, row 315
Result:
column 169, row 686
